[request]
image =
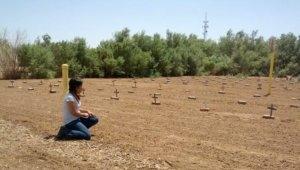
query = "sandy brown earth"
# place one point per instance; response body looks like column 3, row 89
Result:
column 134, row 134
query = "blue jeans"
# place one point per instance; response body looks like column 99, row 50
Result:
column 77, row 129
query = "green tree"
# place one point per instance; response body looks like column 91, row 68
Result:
column 42, row 62
column 287, row 55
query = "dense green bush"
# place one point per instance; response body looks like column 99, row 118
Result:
column 141, row 55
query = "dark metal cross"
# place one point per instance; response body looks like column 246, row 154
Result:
column 12, row 83
column 168, row 80
column 50, row 86
column 271, row 108
column 155, row 97
column 116, row 92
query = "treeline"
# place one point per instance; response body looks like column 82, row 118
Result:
column 141, row 55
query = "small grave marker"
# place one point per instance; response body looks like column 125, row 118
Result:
column 205, row 83
column 295, row 106
column 256, row 95
column 167, row 80
column 222, row 91
column 192, row 97
column 205, row 108
column 134, row 84
column 270, row 116
column 51, row 88
column 159, row 87
column 30, row 88
column 155, row 97
column 242, row 102
column 116, row 97
column 113, row 82
column 12, row 85
column 259, row 86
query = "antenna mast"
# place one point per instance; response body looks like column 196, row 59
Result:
column 205, row 26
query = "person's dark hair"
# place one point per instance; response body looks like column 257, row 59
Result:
column 74, row 83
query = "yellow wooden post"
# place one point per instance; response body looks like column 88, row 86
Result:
column 65, row 77
column 272, row 58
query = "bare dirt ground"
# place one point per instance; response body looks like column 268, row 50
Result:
column 135, row 134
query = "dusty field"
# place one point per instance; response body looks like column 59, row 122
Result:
column 133, row 133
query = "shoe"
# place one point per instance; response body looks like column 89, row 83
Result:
column 63, row 130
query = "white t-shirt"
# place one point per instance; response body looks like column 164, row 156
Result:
column 67, row 114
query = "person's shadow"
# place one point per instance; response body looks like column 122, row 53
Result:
column 54, row 137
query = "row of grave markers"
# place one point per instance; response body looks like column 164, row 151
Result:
column 205, row 108
column 51, row 86
column 222, row 91
column 51, row 90
column 155, row 95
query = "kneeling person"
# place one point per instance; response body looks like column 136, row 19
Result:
column 76, row 121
